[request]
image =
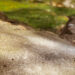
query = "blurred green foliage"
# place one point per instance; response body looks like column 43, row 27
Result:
column 41, row 16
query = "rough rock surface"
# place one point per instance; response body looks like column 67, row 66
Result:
column 26, row 52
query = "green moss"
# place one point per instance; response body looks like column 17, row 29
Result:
column 36, row 15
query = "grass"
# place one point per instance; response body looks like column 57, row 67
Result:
column 39, row 16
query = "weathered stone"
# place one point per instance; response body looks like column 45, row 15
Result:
column 27, row 52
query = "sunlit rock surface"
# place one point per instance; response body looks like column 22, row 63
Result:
column 26, row 52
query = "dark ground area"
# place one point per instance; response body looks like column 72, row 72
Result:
column 68, row 31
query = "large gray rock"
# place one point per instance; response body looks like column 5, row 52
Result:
column 26, row 52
